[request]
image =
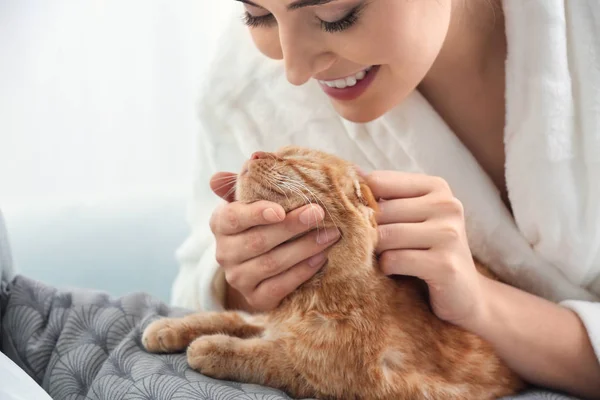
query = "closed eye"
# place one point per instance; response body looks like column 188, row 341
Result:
column 344, row 23
column 263, row 21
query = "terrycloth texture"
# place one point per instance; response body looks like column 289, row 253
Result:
column 552, row 246
column 85, row 345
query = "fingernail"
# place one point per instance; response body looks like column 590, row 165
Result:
column 311, row 215
column 316, row 260
column 328, row 236
column 271, row 216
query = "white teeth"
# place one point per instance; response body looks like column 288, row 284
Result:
column 340, row 83
column 347, row 82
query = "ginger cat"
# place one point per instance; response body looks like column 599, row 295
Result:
column 349, row 332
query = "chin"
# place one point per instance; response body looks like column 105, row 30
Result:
column 359, row 113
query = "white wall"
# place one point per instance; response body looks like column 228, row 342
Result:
column 97, row 124
column 97, row 97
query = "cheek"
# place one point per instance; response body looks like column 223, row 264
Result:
column 267, row 42
column 415, row 41
column 405, row 41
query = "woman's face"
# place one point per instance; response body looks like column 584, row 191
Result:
column 367, row 55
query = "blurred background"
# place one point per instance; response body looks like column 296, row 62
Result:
column 97, row 124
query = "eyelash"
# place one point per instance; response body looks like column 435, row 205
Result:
column 338, row 26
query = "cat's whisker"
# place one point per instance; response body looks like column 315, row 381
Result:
column 315, row 215
column 318, row 200
column 284, row 192
column 298, row 192
column 225, row 184
column 303, row 186
column 275, row 164
column 226, row 179
column 272, row 167
column 298, row 187
column 231, row 177
column 275, row 168
column 273, row 183
column 230, row 192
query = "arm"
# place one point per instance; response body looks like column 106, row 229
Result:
column 543, row 342
column 422, row 234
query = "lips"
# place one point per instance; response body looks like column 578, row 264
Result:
column 351, row 87
column 348, row 81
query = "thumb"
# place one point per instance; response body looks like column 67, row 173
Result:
column 223, row 184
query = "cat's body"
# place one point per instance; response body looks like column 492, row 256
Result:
column 348, row 333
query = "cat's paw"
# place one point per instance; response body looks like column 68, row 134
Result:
column 208, row 355
column 164, row 336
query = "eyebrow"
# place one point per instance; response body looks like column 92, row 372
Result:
column 296, row 4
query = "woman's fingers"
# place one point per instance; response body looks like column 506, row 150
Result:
column 409, row 210
column 418, row 209
column 437, row 233
column 424, row 264
column 271, row 292
column 233, row 218
column 406, row 236
column 241, row 247
column 400, row 185
column 404, row 262
column 247, row 276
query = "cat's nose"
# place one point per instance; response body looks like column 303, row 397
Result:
column 259, row 155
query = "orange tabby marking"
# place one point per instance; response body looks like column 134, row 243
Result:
column 349, row 332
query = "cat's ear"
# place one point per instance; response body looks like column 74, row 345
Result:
column 364, row 194
column 367, row 200
column 361, row 189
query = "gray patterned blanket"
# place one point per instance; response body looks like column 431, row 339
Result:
column 86, row 345
column 82, row 344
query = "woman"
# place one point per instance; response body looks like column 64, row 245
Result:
column 500, row 99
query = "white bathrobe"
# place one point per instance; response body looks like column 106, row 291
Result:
column 552, row 141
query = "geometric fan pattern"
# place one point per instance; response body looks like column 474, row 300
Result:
column 82, row 344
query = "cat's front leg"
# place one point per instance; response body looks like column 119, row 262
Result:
column 169, row 335
column 254, row 360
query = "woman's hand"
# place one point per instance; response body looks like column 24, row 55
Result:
column 422, row 234
column 251, row 249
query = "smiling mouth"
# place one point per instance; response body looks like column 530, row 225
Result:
column 348, row 81
column 350, row 87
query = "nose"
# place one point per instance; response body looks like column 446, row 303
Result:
column 303, row 56
column 259, row 155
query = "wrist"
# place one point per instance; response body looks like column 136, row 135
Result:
column 482, row 316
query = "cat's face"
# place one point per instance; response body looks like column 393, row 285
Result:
column 295, row 176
